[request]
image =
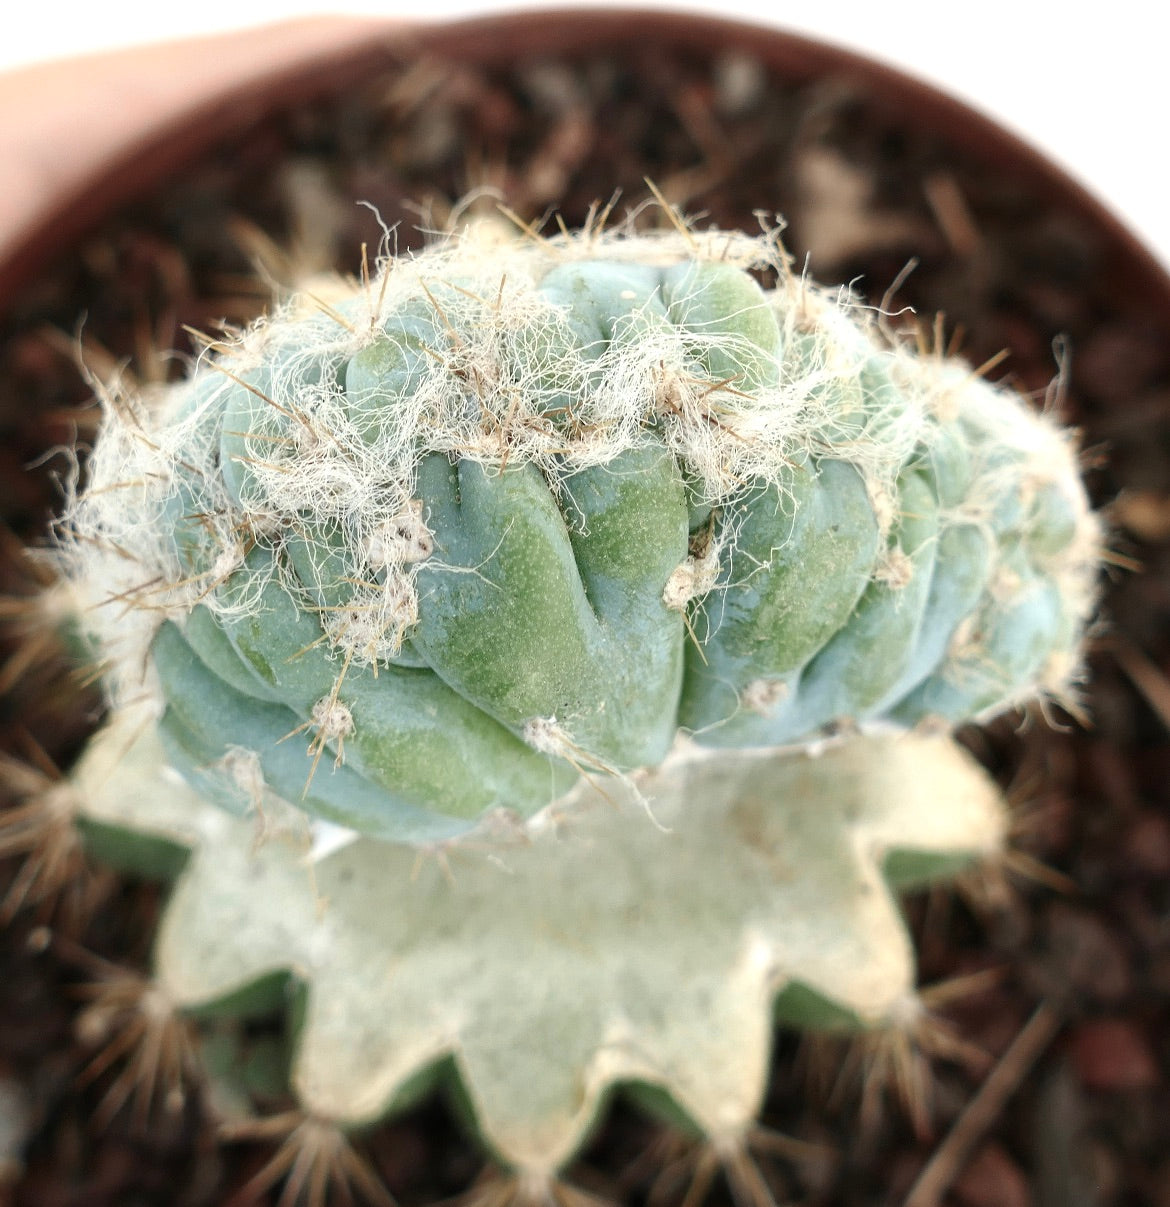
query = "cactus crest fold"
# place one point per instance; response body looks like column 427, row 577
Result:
column 421, row 555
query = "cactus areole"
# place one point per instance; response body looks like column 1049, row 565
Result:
column 423, row 554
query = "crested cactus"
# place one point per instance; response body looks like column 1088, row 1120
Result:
column 562, row 560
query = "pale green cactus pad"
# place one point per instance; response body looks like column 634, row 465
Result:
column 430, row 549
column 642, row 934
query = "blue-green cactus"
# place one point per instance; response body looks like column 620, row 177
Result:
column 515, row 513
column 503, row 552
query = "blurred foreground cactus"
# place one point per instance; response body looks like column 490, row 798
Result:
column 635, row 579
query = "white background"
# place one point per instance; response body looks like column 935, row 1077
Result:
column 1088, row 85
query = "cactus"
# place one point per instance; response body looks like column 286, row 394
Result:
column 631, row 577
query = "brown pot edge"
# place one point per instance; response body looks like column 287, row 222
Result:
column 492, row 38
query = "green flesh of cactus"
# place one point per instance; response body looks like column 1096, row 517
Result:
column 526, row 513
column 562, row 561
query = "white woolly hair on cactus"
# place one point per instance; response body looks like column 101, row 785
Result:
column 491, row 551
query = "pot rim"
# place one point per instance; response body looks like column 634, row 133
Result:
column 185, row 96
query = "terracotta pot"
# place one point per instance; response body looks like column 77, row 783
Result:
column 84, row 142
column 81, row 137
